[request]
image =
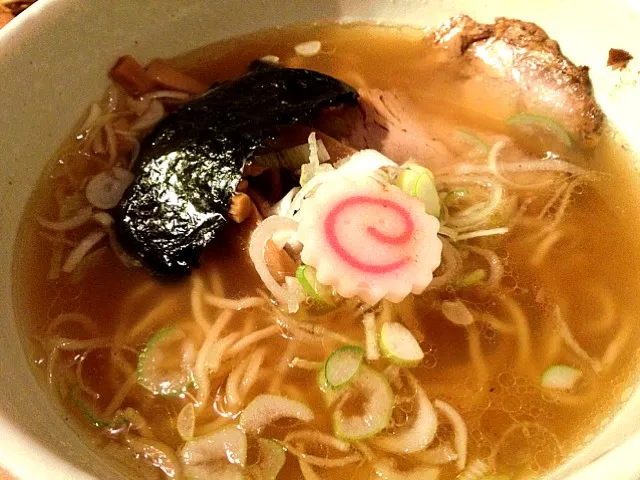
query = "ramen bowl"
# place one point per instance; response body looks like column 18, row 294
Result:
column 55, row 57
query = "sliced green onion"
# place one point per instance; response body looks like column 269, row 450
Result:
column 475, row 277
column 560, row 377
column 418, row 181
column 535, row 124
column 221, row 455
column 271, row 458
column 377, row 406
column 399, row 345
column 479, row 148
column 317, row 292
column 329, row 394
column 267, row 408
column 86, row 411
column 157, row 370
column 343, row 365
column 186, row 422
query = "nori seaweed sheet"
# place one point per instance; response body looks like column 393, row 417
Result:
column 190, row 164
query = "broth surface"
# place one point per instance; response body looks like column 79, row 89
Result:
column 509, row 417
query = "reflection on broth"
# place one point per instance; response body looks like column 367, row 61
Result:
column 336, row 358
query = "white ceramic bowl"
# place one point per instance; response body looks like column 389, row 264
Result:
column 53, row 63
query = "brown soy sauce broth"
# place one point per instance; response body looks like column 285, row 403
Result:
column 598, row 255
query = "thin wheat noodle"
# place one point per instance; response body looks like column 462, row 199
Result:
column 459, row 429
column 316, row 437
column 80, row 382
column 251, row 339
column 522, row 210
column 543, row 248
column 155, row 315
column 521, row 324
column 239, row 304
column 496, row 149
column 572, row 343
column 78, row 253
column 607, row 316
column 282, row 367
column 120, row 395
column 475, row 354
column 138, row 422
column 252, row 372
column 232, row 398
column 542, row 165
column 197, row 294
column 214, row 356
column 498, row 325
column 200, row 369
column 80, row 218
column 72, row 317
column 71, row 344
column 305, row 364
column 323, row 462
column 217, row 285
column 554, row 198
column 524, row 426
column 612, row 351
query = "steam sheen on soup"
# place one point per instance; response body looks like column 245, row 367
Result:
column 433, row 283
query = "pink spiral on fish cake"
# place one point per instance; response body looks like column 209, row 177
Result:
column 331, row 224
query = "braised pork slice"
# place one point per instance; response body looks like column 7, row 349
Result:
column 387, row 121
column 528, row 65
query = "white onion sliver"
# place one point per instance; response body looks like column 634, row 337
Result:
column 295, row 294
column 482, row 233
column 78, row 253
column 438, row 455
column 104, row 219
column 372, row 351
column 359, row 165
column 105, row 189
column 457, row 312
column 150, row 117
column 80, row 218
column 168, row 94
column 263, row 233
column 94, row 113
column 459, row 429
column 308, row 49
column 282, row 207
column 270, row 59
